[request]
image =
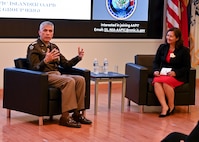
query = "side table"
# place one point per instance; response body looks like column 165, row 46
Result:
column 110, row 77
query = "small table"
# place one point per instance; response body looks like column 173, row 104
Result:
column 110, row 77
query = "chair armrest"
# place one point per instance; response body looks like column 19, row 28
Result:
column 136, row 84
column 86, row 74
column 192, row 77
column 192, row 84
column 25, row 91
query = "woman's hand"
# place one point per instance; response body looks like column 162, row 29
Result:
column 171, row 73
column 156, row 73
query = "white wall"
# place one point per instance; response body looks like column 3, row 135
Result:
column 118, row 52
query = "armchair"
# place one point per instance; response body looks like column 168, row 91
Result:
column 140, row 90
column 28, row 91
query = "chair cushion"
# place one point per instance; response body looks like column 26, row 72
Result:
column 183, row 88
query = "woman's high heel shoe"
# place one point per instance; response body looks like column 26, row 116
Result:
column 172, row 111
column 164, row 115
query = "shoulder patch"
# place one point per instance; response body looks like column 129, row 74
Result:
column 31, row 47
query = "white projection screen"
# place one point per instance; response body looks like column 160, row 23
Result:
column 83, row 18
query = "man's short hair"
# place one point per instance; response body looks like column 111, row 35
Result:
column 45, row 23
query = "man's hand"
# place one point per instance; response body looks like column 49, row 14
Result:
column 80, row 52
column 51, row 55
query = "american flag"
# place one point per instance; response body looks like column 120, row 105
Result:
column 177, row 17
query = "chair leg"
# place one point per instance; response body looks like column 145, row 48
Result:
column 188, row 109
column 129, row 102
column 141, row 108
column 51, row 117
column 40, row 120
column 8, row 113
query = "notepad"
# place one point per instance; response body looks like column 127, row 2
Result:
column 164, row 71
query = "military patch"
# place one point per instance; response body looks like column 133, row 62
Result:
column 31, row 47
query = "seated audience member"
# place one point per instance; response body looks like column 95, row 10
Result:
column 180, row 137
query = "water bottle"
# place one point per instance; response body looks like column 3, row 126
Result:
column 95, row 66
column 105, row 66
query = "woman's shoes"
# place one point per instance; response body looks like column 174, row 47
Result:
column 172, row 111
column 167, row 114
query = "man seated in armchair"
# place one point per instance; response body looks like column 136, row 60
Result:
column 45, row 56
